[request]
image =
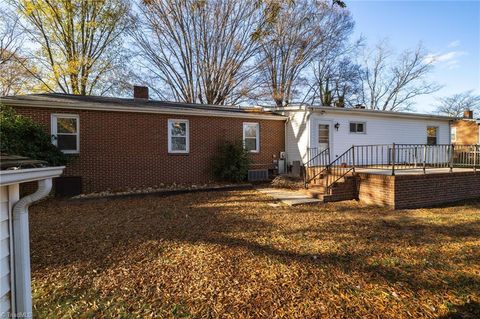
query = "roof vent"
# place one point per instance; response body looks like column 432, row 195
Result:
column 468, row 114
column 140, row 93
column 360, row 106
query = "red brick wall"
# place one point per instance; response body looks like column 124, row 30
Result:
column 467, row 132
column 120, row 150
column 433, row 189
column 376, row 189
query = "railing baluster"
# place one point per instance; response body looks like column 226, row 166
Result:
column 476, row 150
column 393, row 159
column 452, row 150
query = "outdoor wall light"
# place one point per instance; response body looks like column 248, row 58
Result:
column 337, row 125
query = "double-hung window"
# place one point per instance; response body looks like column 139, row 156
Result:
column 178, row 136
column 251, row 137
column 453, row 134
column 432, row 135
column 65, row 132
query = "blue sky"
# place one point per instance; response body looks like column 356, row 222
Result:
column 448, row 29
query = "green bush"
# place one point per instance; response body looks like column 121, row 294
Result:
column 231, row 162
column 20, row 135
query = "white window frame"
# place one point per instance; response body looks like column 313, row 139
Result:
column 357, row 122
column 54, row 130
column 453, row 131
column 187, row 136
column 257, row 135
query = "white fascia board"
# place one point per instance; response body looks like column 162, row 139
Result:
column 140, row 109
column 8, row 177
column 367, row 112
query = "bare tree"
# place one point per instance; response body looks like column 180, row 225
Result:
column 392, row 82
column 10, row 37
column 456, row 104
column 78, row 43
column 14, row 79
column 336, row 77
column 296, row 38
column 200, row 51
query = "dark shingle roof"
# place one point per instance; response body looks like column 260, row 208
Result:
column 128, row 102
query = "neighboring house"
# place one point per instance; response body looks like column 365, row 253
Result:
column 466, row 131
column 15, row 286
column 116, row 144
column 309, row 130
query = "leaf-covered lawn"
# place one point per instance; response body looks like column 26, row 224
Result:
column 232, row 255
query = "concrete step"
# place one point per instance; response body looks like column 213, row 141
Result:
column 291, row 197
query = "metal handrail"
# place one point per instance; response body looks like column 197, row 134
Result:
column 318, row 156
column 337, row 172
column 323, row 158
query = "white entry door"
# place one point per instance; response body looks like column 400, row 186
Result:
column 320, row 138
column 323, row 140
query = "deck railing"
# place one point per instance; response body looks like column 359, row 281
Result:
column 318, row 157
column 397, row 157
column 394, row 157
column 339, row 168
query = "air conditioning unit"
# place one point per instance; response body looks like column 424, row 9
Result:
column 257, row 175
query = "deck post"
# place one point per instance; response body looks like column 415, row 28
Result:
column 424, row 159
column 353, row 158
column 452, row 152
column 393, row 159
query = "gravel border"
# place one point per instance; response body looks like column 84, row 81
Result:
column 166, row 192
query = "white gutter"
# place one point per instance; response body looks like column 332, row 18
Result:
column 21, row 284
column 9, row 177
column 341, row 110
column 21, row 248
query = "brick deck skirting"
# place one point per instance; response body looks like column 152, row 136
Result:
column 414, row 191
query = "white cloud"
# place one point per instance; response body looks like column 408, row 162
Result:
column 452, row 64
column 454, row 44
column 448, row 57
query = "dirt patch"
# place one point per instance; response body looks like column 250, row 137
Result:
column 288, row 181
column 162, row 189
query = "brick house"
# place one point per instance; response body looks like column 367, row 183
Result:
column 394, row 159
column 466, row 131
column 117, row 144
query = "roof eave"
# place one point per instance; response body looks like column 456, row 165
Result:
column 382, row 113
column 139, row 109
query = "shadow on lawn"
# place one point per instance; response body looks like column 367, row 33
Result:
column 104, row 233
column 469, row 310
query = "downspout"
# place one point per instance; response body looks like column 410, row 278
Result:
column 21, row 248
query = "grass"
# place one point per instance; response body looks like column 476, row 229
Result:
column 232, row 255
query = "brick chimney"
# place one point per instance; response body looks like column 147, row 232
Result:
column 468, row 114
column 140, row 93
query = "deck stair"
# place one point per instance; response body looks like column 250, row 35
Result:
column 345, row 188
column 331, row 182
